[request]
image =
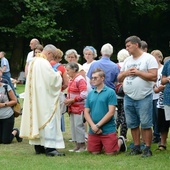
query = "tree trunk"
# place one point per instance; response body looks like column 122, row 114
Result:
column 17, row 57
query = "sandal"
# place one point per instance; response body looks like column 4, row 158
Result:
column 161, row 148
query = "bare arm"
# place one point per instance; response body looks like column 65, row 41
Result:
column 159, row 88
column 26, row 69
column 105, row 119
column 93, row 126
column 65, row 80
column 3, row 68
column 151, row 75
column 122, row 75
column 12, row 102
column 108, row 116
column 13, row 99
column 165, row 80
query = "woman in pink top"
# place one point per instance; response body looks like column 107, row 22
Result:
column 77, row 93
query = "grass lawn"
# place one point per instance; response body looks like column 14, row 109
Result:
column 21, row 156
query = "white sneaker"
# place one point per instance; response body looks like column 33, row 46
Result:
column 81, row 150
column 123, row 147
column 74, row 150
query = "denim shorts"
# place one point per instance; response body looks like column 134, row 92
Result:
column 138, row 112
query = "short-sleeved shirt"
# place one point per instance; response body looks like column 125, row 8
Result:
column 30, row 56
column 158, row 82
column 5, row 112
column 4, row 62
column 98, row 103
column 110, row 68
column 134, row 86
column 86, row 66
column 60, row 67
column 166, row 72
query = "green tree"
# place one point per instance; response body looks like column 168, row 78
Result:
column 77, row 23
column 31, row 18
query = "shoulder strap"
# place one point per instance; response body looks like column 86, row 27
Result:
column 5, row 81
column 56, row 66
column 6, row 91
column 5, row 87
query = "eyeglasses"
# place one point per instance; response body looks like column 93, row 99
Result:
column 94, row 78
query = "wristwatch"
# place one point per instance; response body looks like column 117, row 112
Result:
column 6, row 104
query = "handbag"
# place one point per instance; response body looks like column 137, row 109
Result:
column 119, row 89
column 16, row 108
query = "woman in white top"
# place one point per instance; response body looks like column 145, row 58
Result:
column 159, row 57
column 71, row 55
column 90, row 54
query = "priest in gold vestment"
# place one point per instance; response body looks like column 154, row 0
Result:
column 41, row 119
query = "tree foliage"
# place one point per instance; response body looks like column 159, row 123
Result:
column 36, row 18
column 77, row 23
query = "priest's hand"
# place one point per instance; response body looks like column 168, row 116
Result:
column 68, row 102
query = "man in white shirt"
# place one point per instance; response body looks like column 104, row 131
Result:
column 33, row 43
column 137, row 74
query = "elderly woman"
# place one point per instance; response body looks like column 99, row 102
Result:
column 77, row 93
column 90, row 54
column 72, row 56
column 121, row 56
column 121, row 120
column 161, row 122
column 159, row 57
column 7, row 131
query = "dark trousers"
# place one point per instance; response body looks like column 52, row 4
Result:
column 6, row 128
column 163, row 124
column 155, row 119
column 40, row 149
column 121, row 119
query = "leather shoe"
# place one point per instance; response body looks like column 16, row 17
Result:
column 39, row 149
column 55, row 153
column 17, row 135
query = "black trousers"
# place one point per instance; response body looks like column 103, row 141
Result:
column 163, row 124
column 6, row 128
column 40, row 149
column 121, row 119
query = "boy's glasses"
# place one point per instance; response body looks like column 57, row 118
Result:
column 94, row 78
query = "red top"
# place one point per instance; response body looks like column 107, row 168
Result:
column 77, row 90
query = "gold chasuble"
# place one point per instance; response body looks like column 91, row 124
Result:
column 41, row 118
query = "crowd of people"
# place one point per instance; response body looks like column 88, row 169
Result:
column 89, row 94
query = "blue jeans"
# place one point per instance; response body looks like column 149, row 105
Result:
column 138, row 112
column 7, row 76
